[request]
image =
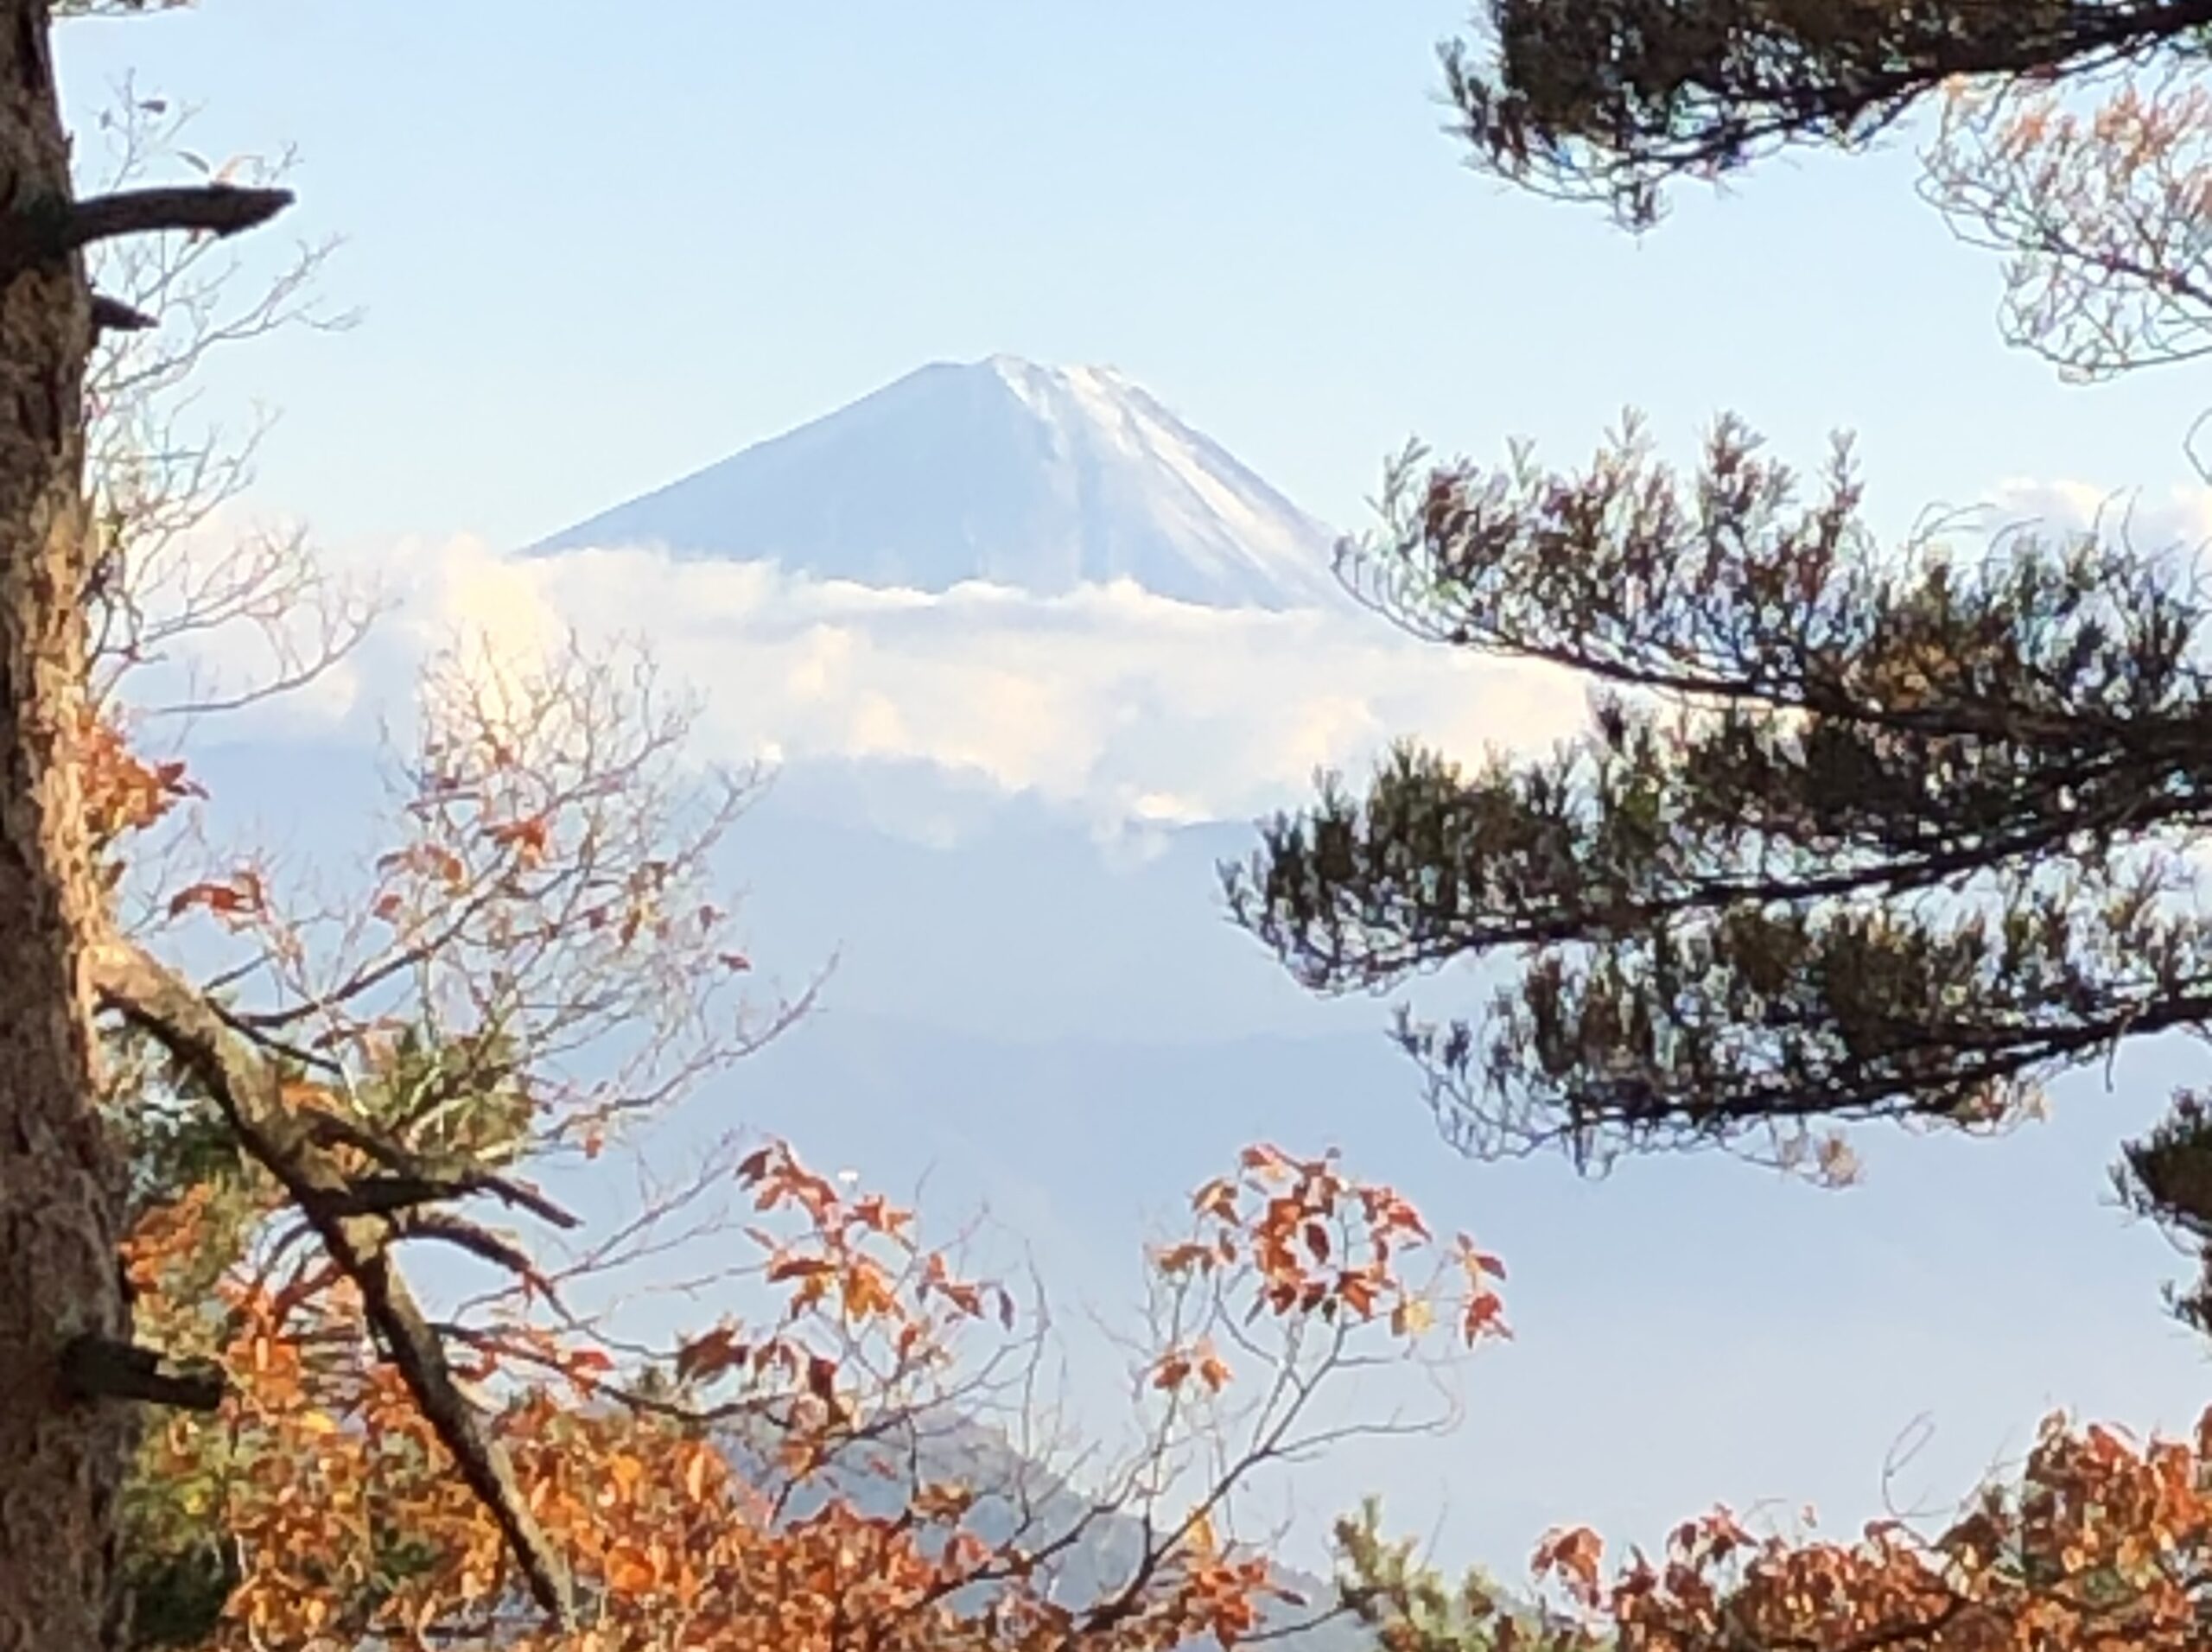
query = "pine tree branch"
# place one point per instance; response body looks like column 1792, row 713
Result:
column 134, row 984
column 1583, row 101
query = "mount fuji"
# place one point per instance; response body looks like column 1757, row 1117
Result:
column 1040, row 478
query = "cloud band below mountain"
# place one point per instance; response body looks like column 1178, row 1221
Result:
column 1129, row 706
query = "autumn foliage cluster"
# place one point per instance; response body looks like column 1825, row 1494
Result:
column 767, row 1481
column 2103, row 1542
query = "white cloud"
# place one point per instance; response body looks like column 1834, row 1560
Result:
column 1141, row 711
column 2176, row 518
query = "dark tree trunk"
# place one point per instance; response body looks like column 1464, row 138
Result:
column 61, row 1461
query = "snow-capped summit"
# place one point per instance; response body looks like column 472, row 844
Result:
column 1039, row 478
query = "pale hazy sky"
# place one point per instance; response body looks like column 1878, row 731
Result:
column 601, row 245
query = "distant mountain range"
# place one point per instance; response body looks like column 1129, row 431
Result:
column 1017, row 1495
column 1042, row 478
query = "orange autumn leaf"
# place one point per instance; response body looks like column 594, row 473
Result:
column 698, row 1469
column 1357, row 1290
column 1217, row 1199
column 784, row 1268
column 1572, row 1552
column 1182, row 1258
column 1212, row 1370
column 528, row 837
column 630, row 1570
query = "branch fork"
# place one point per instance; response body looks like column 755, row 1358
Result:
column 294, row 1149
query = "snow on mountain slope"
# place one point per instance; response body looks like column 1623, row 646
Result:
column 1041, row 479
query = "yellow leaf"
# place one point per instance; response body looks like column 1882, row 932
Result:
column 1202, row 1537
column 1411, row 1316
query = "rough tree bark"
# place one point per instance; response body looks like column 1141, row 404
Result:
column 60, row 1460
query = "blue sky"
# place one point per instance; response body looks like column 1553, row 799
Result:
column 601, row 246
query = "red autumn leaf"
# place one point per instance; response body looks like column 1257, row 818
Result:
column 1217, row 1198
column 1357, row 1288
column 1485, row 1315
column 1574, row 1554
column 704, row 1358
column 1178, row 1259
column 223, row 899
column 527, row 837
column 790, row 1267
column 875, row 1212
